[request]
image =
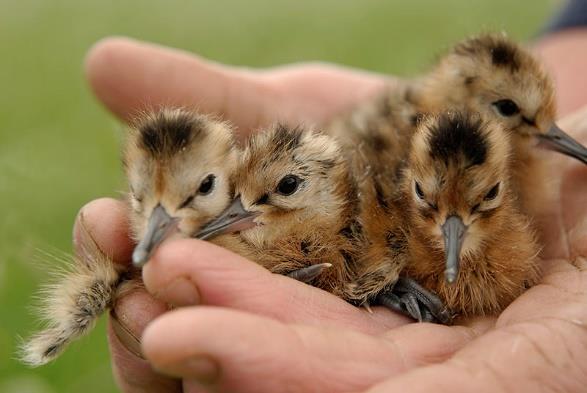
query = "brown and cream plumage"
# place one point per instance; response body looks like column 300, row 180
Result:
column 489, row 74
column 179, row 166
column 465, row 237
column 294, row 207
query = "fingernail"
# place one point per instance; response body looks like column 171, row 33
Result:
column 80, row 230
column 85, row 246
column 180, row 292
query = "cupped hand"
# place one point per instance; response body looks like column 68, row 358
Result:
column 261, row 331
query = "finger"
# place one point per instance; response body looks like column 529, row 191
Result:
column 128, row 75
column 317, row 92
column 105, row 221
column 187, row 272
column 239, row 352
column 576, row 124
column 563, row 219
column 574, row 202
column 132, row 373
column 565, row 55
column 574, row 188
column 557, row 296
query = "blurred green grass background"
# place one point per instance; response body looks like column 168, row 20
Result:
column 59, row 148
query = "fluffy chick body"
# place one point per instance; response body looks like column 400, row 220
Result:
column 493, row 75
column 375, row 138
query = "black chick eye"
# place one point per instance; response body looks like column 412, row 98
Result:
column 506, row 107
column 492, row 193
column 419, row 191
column 207, row 185
column 288, row 185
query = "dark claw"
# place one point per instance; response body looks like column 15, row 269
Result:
column 307, row 274
column 403, row 306
column 427, row 316
column 411, row 304
column 428, row 300
column 409, row 298
column 391, row 301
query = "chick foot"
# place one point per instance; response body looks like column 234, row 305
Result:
column 412, row 300
column 307, row 274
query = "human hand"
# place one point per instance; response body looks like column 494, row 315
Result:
column 120, row 66
column 289, row 310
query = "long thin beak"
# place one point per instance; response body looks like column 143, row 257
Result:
column 160, row 226
column 454, row 233
column 558, row 140
column 233, row 219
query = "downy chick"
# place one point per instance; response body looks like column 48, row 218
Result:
column 494, row 76
column 489, row 74
column 294, row 207
column 375, row 139
column 178, row 166
column 467, row 241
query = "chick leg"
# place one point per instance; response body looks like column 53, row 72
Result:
column 307, row 274
column 411, row 299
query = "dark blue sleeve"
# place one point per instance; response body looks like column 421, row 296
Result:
column 573, row 14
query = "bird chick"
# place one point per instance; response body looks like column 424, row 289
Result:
column 467, row 241
column 489, row 74
column 375, row 138
column 294, row 207
column 492, row 75
column 179, row 166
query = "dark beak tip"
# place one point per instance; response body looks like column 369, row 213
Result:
column 159, row 227
column 451, row 278
column 139, row 257
column 558, row 140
